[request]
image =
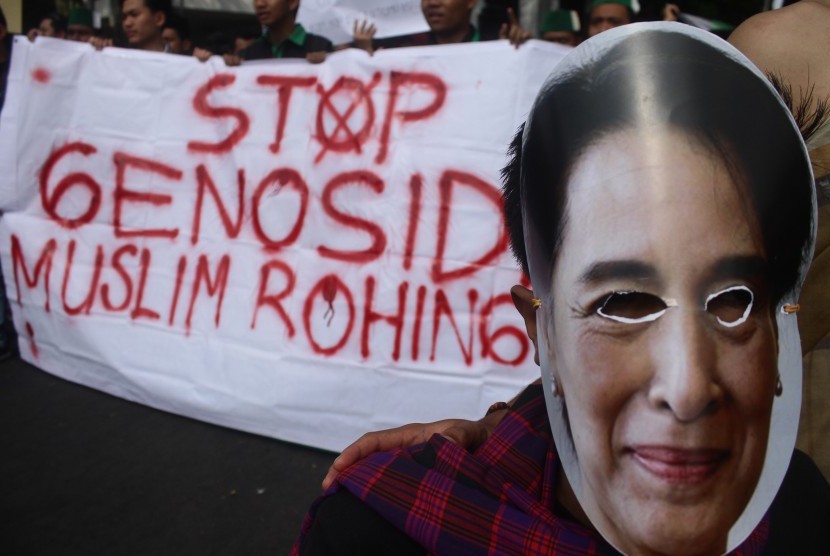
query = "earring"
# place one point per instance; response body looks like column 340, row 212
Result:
column 535, row 303
column 779, row 388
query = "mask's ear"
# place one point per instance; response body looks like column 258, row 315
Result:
column 523, row 300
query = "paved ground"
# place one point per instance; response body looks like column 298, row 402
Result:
column 82, row 472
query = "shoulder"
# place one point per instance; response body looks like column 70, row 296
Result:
column 317, row 43
column 258, row 50
column 800, row 513
column 773, row 22
column 777, row 36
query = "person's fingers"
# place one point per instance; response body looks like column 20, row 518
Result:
column 511, row 16
column 232, row 60
column 331, row 474
column 363, row 28
column 467, row 434
column 400, row 437
column 99, row 44
column 316, row 57
column 518, row 36
column 503, row 31
column 369, row 443
column 201, row 54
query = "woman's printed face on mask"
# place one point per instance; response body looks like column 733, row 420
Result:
column 662, row 341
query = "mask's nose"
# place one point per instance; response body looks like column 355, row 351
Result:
column 685, row 377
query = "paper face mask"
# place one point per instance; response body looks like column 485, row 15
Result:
column 668, row 217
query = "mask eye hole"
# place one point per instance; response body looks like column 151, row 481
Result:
column 731, row 306
column 632, row 307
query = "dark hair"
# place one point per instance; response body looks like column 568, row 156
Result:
column 219, row 42
column 165, row 6
column 247, row 32
column 58, row 21
column 179, row 24
column 3, row 18
column 695, row 88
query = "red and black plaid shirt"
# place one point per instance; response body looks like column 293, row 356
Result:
column 499, row 500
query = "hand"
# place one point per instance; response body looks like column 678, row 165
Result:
column 100, row 43
column 33, row 34
column 316, row 57
column 202, row 54
column 363, row 34
column 671, row 12
column 512, row 31
column 232, row 60
column 468, row 434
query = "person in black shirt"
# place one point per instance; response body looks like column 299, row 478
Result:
column 282, row 36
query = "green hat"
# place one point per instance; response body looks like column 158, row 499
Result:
column 712, row 25
column 80, row 16
column 560, row 20
column 633, row 5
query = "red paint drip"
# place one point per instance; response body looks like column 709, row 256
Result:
column 32, row 345
column 329, row 293
column 41, row 75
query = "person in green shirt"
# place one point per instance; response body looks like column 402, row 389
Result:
column 282, row 36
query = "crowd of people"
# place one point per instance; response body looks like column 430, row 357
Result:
column 154, row 25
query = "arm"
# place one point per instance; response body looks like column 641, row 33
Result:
column 469, row 434
column 514, row 32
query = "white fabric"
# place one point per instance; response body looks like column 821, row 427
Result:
column 125, row 119
column 334, row 19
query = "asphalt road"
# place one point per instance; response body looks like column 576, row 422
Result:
column 83, row 472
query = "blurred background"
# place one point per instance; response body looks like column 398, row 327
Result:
column 207, row 17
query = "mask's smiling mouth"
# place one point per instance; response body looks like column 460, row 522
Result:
column 679, row 465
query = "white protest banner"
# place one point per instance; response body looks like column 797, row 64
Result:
column 302, row 251
column 239, row 6
column 334, row 19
